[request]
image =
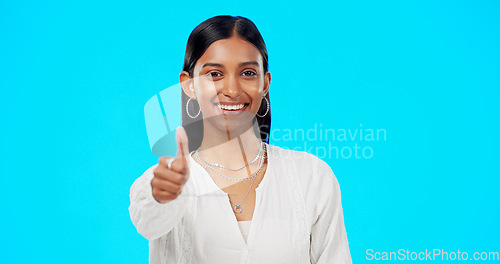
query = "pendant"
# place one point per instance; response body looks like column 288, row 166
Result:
column 237, row 209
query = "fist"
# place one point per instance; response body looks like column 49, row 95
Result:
column 172, row 172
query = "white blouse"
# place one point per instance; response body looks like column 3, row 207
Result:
column 297, row 218
column 244, row 228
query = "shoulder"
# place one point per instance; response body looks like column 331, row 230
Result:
column 317, row 182
column 286, row 154
column 311, row 169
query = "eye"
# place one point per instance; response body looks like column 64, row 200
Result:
column 249, row 73
column 213, row 74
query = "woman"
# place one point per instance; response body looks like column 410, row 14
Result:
column 234, row 198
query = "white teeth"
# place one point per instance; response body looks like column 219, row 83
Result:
column 231, row 107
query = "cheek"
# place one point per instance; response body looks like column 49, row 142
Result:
column 205, row 89
column 253, row 87
column 204, row 86
column 206, row 93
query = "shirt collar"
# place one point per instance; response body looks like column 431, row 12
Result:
column 203, row 183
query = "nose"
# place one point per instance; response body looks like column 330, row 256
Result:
column 231, row 87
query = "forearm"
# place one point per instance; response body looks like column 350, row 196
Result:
column 151, row 218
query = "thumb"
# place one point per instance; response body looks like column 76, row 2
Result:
column 182, row 142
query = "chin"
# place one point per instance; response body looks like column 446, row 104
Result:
column 233, row 124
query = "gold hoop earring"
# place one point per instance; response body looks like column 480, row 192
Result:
column 267, row 110
column 187, row 109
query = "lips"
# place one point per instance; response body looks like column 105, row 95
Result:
column 231, row 107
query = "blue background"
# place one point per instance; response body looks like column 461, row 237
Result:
column 75, row 76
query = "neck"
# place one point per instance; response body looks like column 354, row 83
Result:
column 231, row 148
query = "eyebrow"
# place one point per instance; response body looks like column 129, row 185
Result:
column 249, row 63
column 222, row 66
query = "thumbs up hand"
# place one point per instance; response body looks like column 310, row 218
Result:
column 172, row 172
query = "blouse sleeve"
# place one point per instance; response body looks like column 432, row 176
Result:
column 151, row 218
column 328, row 236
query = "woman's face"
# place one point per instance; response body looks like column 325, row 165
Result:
column 229, row 83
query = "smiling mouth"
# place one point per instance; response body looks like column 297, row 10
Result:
column 232, row 107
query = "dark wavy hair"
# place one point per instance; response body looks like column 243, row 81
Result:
column 206, row 33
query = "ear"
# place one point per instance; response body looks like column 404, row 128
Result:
column 267, row 82
column 187, row 84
